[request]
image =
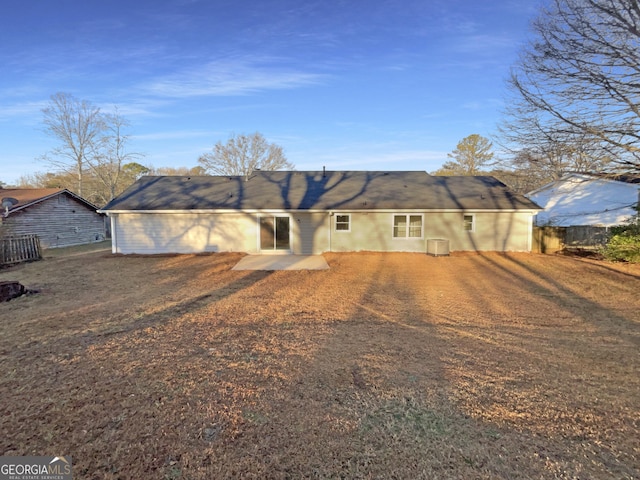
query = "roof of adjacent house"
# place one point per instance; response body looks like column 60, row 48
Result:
column 586, row 199
column 603, row 178
column 30, row 196
column 618, row 177
column 321, row 190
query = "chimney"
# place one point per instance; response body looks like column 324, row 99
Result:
column 324, row 171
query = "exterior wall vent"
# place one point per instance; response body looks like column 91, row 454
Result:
column 437, row 247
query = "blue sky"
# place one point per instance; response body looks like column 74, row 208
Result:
column 350, row 85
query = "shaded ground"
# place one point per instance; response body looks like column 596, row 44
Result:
column 385, row 366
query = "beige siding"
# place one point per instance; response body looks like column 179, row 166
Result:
column 184, row 233
column 59, row 221
column 309, row 233
column 373, row 232
column 503, row 231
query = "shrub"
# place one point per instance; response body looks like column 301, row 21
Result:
column 624, row 244
column 633, row 227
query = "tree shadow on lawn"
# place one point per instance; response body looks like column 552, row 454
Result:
column 57, row 393
column 392, row 390
column 175, row 310
column 391, row 374
column 162, row 288
column 591, row 311
column 416, row 389
column 581, row 383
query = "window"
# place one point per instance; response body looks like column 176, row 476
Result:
column 343, row 223
column 407, row 226
column 399, row 226
column 415, row 226
column 470, row 223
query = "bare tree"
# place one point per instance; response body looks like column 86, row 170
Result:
column 471, row 154
column 78, row 127
column 180, row 171
column 580, row 77
column 109, row 155
column 545, row 146
column 242, row 154
column 47, row 180
column 519, row 181
column 92, row 146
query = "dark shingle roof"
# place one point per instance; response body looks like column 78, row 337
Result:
column 331, row 190
column 30, row 196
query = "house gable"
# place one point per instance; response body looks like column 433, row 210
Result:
column 59, row 217
column 27, row 197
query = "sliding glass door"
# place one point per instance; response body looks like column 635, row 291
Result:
column 274, row 233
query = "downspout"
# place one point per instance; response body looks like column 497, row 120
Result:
column 330, row 225
column 114, row 233
column 638, row 209
column 530, row 235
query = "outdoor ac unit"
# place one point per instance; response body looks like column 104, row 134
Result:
column 437, row 247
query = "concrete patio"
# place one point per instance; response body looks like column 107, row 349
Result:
column 282, row 262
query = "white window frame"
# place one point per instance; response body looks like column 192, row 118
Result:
column 335, row 222
column 407, row 217
column 472, row 223
column 274, row 251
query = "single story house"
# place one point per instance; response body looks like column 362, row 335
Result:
column 315, row 212
column 59, row 217
column 581, row 199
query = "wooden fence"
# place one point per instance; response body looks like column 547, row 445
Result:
column 548, row 239
column 554, row 239
column 22, row 248
column 587, row 237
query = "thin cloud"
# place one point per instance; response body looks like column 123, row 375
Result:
column 25, row 109
column 173, row 135
column 357, row 160
column 483, row 43
column 482, row 104
column 134, row 107
column 231, row 77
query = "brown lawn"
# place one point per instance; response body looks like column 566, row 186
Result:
column 385, row 366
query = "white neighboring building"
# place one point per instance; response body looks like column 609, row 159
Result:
column 587, row 199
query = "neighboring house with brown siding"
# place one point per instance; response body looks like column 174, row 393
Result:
column 315, row 212
column 59, row 217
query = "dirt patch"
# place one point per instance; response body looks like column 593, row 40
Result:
column 10, row 289
column 385, row 366
column 594, row 254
